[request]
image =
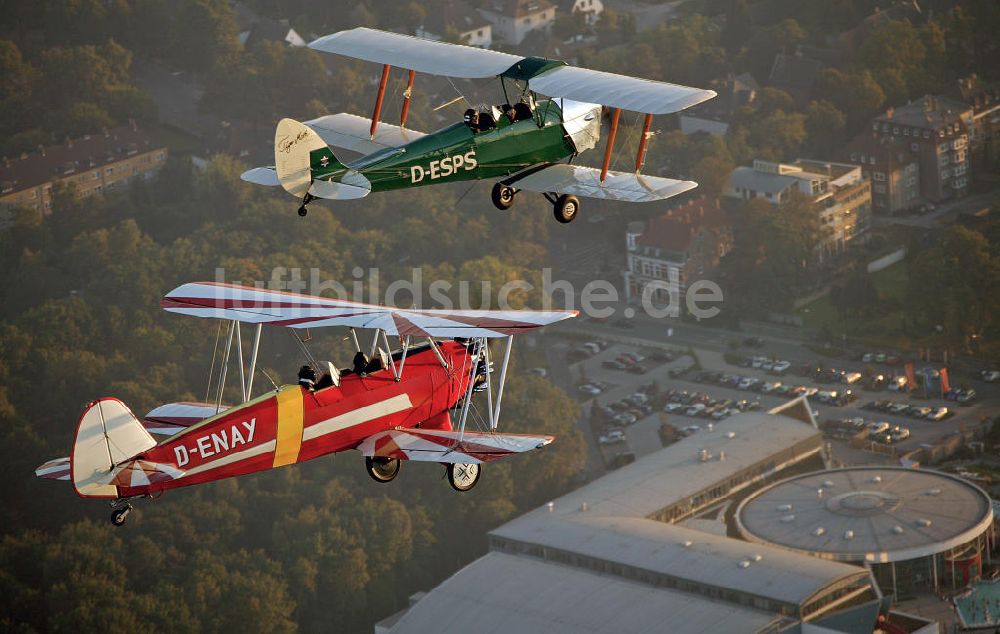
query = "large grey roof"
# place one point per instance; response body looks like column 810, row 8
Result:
column 508, row 593
column 687, row 554
column 749, row 178
column 675, row 473
column 892, row 513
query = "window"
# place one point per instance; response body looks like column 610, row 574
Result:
column 914, row 146
column 906, row 132
column 895, row 130
column 109, row 170
column 879, row 176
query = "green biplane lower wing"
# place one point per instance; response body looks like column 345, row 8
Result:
column 586, row 181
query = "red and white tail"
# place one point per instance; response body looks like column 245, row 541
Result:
column 109, row 435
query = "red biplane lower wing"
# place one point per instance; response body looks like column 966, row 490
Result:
column 167, row 420
column 433, row 445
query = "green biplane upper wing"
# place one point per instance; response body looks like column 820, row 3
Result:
column 586, row 181
column 550, row 77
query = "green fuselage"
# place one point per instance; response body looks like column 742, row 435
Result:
column 456, row 154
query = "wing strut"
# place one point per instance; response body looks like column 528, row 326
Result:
column 253, row 361
column 472, row 378
column 225, row 365
column 495, row 418
column 640, row 156
column 406, row 99
column 611, row 141
column 378, row 100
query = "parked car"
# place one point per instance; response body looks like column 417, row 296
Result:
column 635, row 356
column 920, row 412
column 625, row 418
column 695, row 409
column 939, row 413
column 850, row 378
column 899, row 434
column 670, row 408
column 613, row 365
column 899, row 408
column 612, row 437
column 590, row 389
column 877, row 428
column 637, row 369
column 781, row 367
column 747, row 383
column 990, row 376
column 661, row 355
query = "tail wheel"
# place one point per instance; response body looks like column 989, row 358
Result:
column 503, row 196
column 303, row 211
column 118, row 516
column 566, row 208
column 463, row 476
column 382, row 469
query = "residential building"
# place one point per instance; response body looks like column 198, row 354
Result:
column 590, row 9
column 908, row 11
column 95, row 164
column 512, row 20
column 892, row 168
column 712, row 116
column 841, row 195
column 455, row 20
column 267, row 30
column 984, row 125
column 684, row 244
column 936, row 131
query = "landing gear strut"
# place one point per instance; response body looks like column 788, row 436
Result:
column 382, row 469
column 308, row 198
column 463, row 477
column 503, row 196
column 120, row 514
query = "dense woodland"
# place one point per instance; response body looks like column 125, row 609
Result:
column 320, row 546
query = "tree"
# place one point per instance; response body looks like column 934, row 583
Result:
column 858, row 96
column 824, row 127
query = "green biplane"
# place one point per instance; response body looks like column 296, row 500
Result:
column 527, row 146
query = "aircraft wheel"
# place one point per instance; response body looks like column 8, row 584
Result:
column 382, row 469
column 503, row 196
column 118, row 516
column 566, row 208
column 303, row 211
column 463, row 477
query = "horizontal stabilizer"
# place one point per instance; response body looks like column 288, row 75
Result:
column 586, row 181
column 351, row 132
column 435, row 445
column 266, row 176
column 167, row 420
column 109, row 435
column 57, row 469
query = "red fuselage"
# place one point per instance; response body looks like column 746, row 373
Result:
column 294, row 425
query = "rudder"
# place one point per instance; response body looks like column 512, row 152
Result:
column 108, row 435
column 298, row 150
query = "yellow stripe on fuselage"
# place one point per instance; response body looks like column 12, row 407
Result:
column 288, row 439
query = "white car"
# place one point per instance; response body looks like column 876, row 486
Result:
column 690, row 429
column 767, row 365
column 747, row 382
column 851, row 378
column 990, row 376
column 921, row 412
column 695, row 409
column 879, row 428
column 899, row 433
column 781, row 367
column 757, row 362
column 868, row 357
column 673, row 407
column 770, row 387
column 592, row 390
column 612, row 437
column 939, row 413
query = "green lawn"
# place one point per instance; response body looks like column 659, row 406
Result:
column 880, row 328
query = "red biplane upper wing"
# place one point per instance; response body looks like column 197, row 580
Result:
column 261, row 306
column 436, row 445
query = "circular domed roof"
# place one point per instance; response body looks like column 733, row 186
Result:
column 876, row 514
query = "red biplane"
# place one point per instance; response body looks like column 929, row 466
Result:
column 374, row 406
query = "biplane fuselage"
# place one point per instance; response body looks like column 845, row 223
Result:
column 455, row 153
column 294, row 425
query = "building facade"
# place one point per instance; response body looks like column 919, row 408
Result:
column 936, row 132
column 685, row 244
column 512, row 20
column 714, row 115
column 840, row 193
column 590, row 9
column 891, row 167
column 984, row 127
column 457, row 20
column 94, row 164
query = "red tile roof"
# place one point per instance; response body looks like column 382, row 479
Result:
column 674, row 230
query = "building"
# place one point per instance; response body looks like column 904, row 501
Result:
column 714, row 115
column 512, row 20
column 591, row 10
column 455, row 20
column 892, row 168
column 94, row 164
column 984, row 126
column 916, row 528
column 842, row 196
column 684, row 244
column 616, row 555
column 935, row 130
column 267, row 30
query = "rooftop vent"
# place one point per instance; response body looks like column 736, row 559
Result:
column 877, row 479
column 758, row 557
column 730, row 434
column 828, row 484
column 788, row 518
column 897, row 529
column 584, row 507
column 551, row 506
column 818, row 531
column 688, row 543
column 923, row 522
column 785, row 507
column 934, row 492
column 745, row 563
column 848, row 534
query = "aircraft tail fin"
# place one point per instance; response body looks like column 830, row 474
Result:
column 299, row 154
column 109, row 435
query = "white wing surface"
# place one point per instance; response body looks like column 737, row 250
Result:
column 586, row 181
